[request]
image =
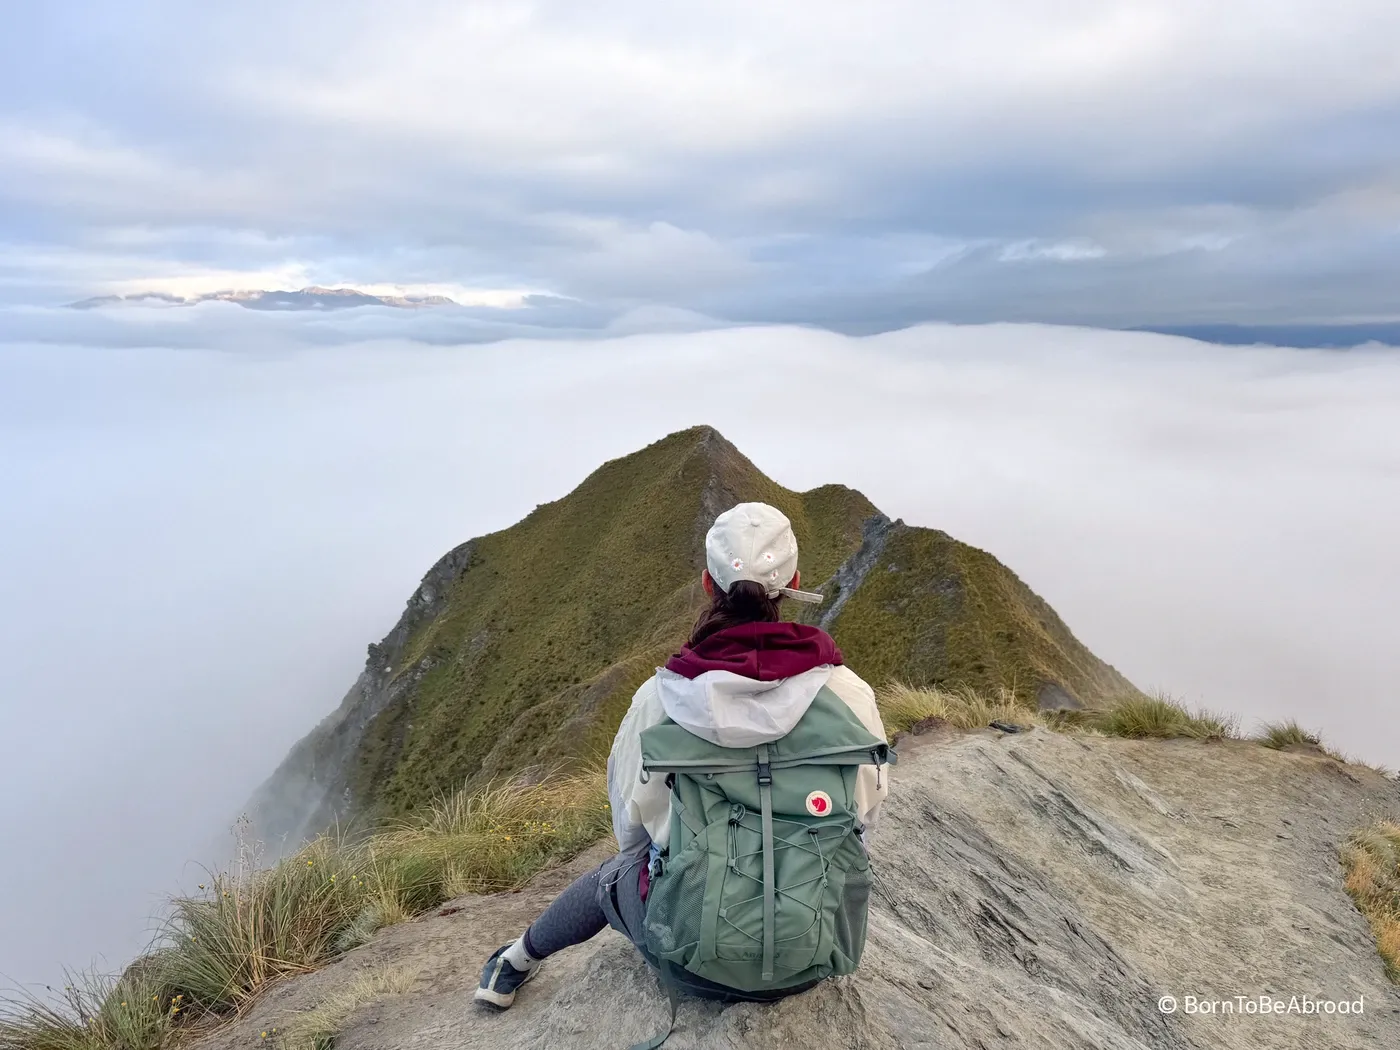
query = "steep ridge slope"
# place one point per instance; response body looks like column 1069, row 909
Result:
column 520, row 649
column 1040, row 890
column 915, row 604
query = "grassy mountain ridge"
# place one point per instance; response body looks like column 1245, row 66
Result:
column 554, row 621
column 934, row 611
column 521, row 649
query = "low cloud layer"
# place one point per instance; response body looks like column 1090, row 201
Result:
column 1110, row 162
column 199, row 543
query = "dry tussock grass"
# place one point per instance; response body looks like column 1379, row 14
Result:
column 903, row 706
column 255, row 924
column 317, row 1028
column 1371, row 859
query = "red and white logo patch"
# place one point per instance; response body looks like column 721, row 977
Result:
column 819, row 804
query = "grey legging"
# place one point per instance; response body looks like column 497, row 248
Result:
column 610, row 894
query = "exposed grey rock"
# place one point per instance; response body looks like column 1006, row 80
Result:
column 874, row 535
column 1037, row 890
column 1052, row 696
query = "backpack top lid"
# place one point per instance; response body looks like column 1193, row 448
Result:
column 829, row 727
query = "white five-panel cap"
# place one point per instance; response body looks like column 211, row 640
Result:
column 753, row 541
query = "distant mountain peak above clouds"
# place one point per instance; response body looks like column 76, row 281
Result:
column 313, row 297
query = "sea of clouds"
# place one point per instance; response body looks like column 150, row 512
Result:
column 209, row 512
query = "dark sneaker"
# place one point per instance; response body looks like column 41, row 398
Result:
column 500, row 980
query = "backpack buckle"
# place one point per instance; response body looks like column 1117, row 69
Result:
column 765, row 773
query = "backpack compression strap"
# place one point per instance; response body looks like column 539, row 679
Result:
column 673, row 997
column 765, row 798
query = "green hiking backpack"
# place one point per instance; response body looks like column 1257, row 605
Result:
column 765, row 883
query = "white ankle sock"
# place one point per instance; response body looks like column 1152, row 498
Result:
column 518, row 957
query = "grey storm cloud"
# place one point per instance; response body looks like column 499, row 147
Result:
column 1097, row 161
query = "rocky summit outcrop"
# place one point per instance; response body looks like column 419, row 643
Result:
column 520, row 650
column 1034, row 890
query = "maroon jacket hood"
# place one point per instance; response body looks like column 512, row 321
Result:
column 762, row 651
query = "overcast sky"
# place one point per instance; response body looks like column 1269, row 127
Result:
column 1110, row 162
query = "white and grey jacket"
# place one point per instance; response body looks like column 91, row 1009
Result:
column 732, row 711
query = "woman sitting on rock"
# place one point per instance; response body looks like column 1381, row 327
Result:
column 743, row 782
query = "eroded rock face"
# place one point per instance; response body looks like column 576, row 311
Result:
column 311, row 789
column 1051, row 696
column 875, row 533
column 1035, row 890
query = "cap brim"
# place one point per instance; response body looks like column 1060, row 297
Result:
column 811, row 597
